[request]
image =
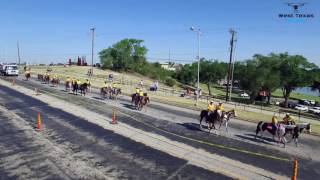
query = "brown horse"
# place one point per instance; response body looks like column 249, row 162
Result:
column 28, row 75
column 142, row 101
column 55, row 81
column 46, row 79
column 68, row 85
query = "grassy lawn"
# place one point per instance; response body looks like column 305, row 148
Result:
column 128, row 82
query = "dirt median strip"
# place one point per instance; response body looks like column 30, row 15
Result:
column 194, row 156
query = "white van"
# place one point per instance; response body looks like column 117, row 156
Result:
column 9, row 70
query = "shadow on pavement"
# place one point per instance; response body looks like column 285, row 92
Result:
column 128, row 106
column 253, row 139
column 191, row 126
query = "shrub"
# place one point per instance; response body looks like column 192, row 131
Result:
column 170, row 82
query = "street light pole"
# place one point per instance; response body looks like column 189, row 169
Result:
column 92, row 29
column 197, row 30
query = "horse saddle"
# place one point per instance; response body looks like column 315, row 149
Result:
column 270, row 127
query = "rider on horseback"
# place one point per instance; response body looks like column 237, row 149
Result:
column 68, row 79
column 88, row 84
column 288, row 120
column 78, row 82
column 211, row 107
column 220, row 106
column 141, row 94
column 274, row 122
column 105, row 84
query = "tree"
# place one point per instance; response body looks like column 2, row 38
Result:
column 295, row 71
column 259, row 74
column 249, row 77
column 211, row 72
column 187, row 74
column 127, row 54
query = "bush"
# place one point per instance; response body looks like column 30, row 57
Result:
column 170, row 82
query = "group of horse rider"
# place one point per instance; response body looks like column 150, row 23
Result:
column 212, row 107
column 287, row 120
column 139, row 93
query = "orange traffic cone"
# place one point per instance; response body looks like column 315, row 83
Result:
column 114, row 120
column 39, row 122
column 295, row 170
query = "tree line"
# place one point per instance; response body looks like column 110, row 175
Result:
column 260, row 73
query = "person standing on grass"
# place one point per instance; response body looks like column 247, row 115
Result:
column 141, row 83
column 156, row 85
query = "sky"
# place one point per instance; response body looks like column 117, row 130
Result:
column 56, row 30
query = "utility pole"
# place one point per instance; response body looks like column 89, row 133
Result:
column 169, row 56
column 18, row 53
column 233, row 32
column 92, row 29
column 232, row 70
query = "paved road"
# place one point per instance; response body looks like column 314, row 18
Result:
column 188, row 129
column 88, row 146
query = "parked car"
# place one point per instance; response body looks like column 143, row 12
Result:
column 315, row 110
column 290, row 104
column 307, row 102
column 244, row 94
column 301, row 107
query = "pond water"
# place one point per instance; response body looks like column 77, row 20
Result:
column 308, row 91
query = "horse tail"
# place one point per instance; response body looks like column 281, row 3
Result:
column 258, row 127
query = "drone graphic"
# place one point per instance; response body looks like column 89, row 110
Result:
column 296, row 6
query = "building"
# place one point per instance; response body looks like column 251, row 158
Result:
column 171, row 66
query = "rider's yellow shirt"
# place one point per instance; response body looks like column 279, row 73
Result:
column 274, row 120
column 137, row 90
column 288, row 119
column 140, row 93
column 78, row 82
column 114, row 85
column 220, row 107
column 211, row 107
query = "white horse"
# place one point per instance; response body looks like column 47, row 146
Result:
column 226, row 117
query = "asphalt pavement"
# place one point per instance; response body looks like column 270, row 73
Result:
column 114, row 155
column 149, row 122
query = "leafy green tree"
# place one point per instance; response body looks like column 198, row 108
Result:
column 295, row 71
column 187, row 74
column 127, row 54
column 211, row 72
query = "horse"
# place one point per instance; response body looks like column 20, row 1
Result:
column 28, row 75
column 47, row 79
column 142, row 101
column 114, row 93
column 55, row 81
column 133, row 98
column 297, row 129
column 211, row 118
column 83, row 88
column 276, row 130
column 40, row 77
column 104, row 92
column 68, row 85
column 226, row 118
column 75, row 87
